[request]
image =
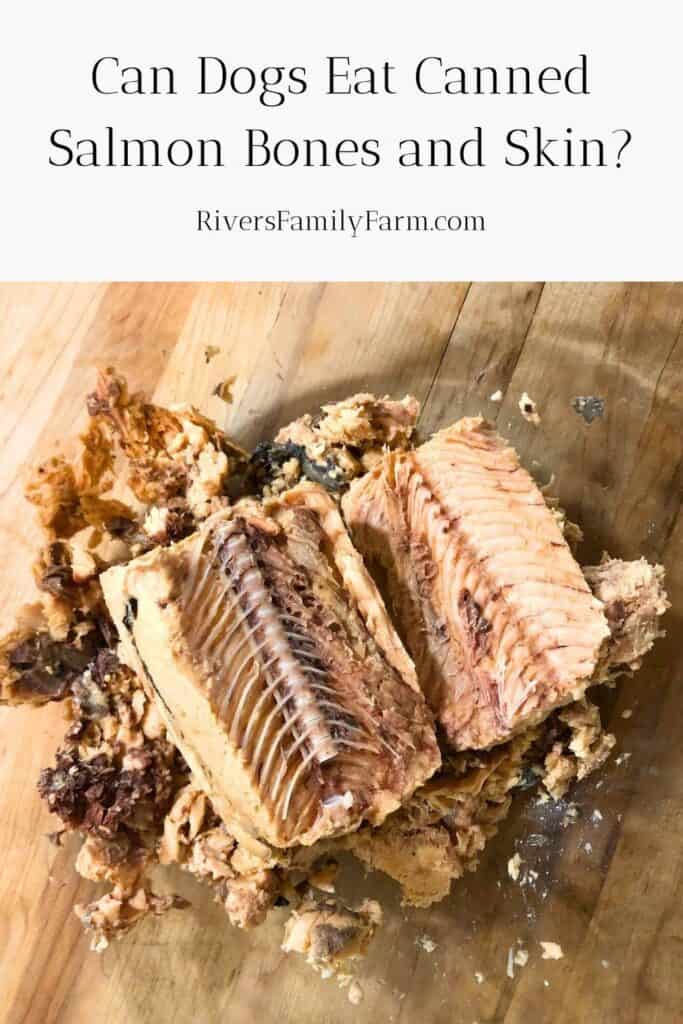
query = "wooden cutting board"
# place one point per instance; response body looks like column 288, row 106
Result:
column 609, row 889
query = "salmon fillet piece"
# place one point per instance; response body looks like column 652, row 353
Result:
column 277, row 670
column 486, row 593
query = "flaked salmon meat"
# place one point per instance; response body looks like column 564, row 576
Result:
column 277, row 670
column 482, row 585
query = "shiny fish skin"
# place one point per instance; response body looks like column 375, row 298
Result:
column 486, row 593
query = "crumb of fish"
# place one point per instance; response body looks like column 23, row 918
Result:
column 210, row 351
column 605, row 963
column 529, row 409
column 479, row 977
column 596, row 815
column 551, row 951
column 588, row 847
column 536, row 839
column 546, row 983
column 570, row 815
column 426, row 943
column 355, row 993
column 627, row 713
column 530, row 877
column 223, row 390
column 623, row 758
column 516, row 958
column 591, row 407
column 543, row 798
column 514, row 865
column 497, row 396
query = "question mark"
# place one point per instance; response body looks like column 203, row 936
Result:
column 624, row 143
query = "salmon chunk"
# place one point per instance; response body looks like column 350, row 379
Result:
column 277, row 670
column 486, row 593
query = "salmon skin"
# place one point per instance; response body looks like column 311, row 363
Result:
column 484, row 589
column 277, row 670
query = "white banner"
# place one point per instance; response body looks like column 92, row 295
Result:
column 374, row 140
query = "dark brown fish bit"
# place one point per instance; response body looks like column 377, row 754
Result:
column 589, row 406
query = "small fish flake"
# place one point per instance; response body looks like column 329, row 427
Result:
column 223, row 390
column 516, row 958
column 570, row 815
column 530, row 877
column 627, row 713
column 355, row 993
column 546, row 983
column 605, row 964
column 551, row 951
column 521, row 957
column 623, row 758
column 588, row 847
column 479, row 977
column 596, row 816
column 514, row 865
column 537, row 839
column 426, row 942
column 210, row 352
column 529, row 409
column 591, row 407
column 497, row 396
column 544, row 798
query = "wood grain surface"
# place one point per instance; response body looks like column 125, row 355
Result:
column 609, row 891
